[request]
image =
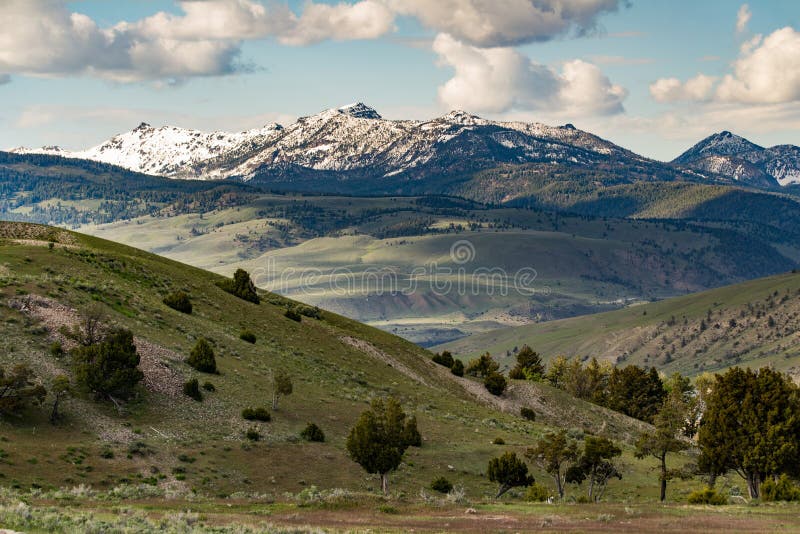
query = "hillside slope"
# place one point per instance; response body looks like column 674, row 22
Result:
column 165, row 438
column 755, row 323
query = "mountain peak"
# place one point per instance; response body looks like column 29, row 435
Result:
column 360, row 110
column 142, row 126
column 723, row 143
column 458, row 116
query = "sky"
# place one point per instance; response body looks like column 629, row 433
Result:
column 652, row 76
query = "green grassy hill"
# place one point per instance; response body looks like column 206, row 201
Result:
column 166, row 439
column 755, row 323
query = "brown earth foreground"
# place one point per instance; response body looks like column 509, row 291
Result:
column 399, row 517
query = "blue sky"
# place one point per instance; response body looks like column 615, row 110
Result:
column 407, row 62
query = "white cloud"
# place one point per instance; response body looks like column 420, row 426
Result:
column 46, row 39
column 698, row 88
column 742, row 18
column 497, row 80
column 367, row 19
column 491, row 23
column 767, row 71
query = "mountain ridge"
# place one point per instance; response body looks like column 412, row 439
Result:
column 744, row 161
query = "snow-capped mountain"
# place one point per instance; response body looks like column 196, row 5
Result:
column 163, row 151
column 357, row 145
column 350, row 139
column 354, row 149
column 735, row 157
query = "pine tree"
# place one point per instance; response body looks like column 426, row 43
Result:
column 508, row 471
column 379, row 439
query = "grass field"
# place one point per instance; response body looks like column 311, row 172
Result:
column 349, row 512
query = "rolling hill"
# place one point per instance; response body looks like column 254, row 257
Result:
column 751, row 324
column 167, row 441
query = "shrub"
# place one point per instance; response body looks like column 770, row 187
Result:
column 537, row 493
column 527, row 413
column 179, row 301
column 498, row 441
column 781, row 490
column 56, row 349
column 313, row 433
column 495, row 383
column 457, row 368
column 241, row 286
column 308, row 311
column 202, row 357
column 192, row 389
column 256, row 414
column 252, row 434
column 707, row 496
column 292, row 314
column 411, row 433
column 247, row 335
column 442, row 485
column 18, row 390
column 445, row 358
column 208, row 386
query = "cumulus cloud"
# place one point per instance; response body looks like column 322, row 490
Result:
column 492, row 23
column 743, row 18
column 766, row 72
column 501, row 79
column 698, row 88
column 47, row 39
column 367, row 19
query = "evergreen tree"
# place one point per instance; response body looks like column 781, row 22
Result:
column 495, row 383
column 109, row 369
column 508, row 471
column 241, row 286
column 751, row 425
column 379, row 439
column 636, row 392
column 482, row 367
column 202, row 357
column 529, row 365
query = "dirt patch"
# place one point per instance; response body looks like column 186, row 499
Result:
column 42, row 243
column 155, row 360
column 373, row 351
column 35, row 232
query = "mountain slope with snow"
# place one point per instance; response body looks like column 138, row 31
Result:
column 735, row 157
column 163, row 151
column 353, row 149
